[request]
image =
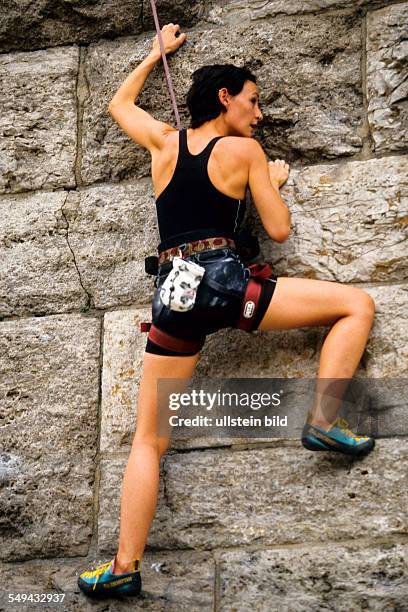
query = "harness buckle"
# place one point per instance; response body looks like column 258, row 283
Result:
column 181, row 248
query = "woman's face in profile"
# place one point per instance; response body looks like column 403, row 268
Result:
column 243, row 112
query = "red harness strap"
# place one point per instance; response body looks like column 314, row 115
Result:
column 172, row 343
column 259, row 272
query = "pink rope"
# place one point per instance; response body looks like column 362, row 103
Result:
column 166, row 68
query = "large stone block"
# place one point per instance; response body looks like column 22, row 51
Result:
column 38, row 273
column 215, row 498
column 295, row 353
column 45, row 23
column 349, row 222
column 387, row 352
column 387, row 83
column 111, row 476
column 171, row 582
column 38, row 119
column 123, row 349
column 108, row 153
column 289, row 56
column 124, row 346
column 282, row 354
column 111, row 229
column 342, row 578
column 49, row 401
column 230, row 12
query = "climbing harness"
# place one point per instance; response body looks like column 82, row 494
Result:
column 178, row 288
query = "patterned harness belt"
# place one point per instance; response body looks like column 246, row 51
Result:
column 197, row 246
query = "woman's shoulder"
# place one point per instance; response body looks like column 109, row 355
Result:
column 242, row 146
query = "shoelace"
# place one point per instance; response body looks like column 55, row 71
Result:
column 101, row 569
column 343, row 425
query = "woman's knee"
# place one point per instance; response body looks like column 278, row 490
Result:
column 363, row 305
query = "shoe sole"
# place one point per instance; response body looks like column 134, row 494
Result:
column 98, row 593
column 356, row 451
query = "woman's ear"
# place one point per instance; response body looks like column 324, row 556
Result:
column 223, row 96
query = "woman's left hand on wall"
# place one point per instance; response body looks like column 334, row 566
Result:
column 171, row 42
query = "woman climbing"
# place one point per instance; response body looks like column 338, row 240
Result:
column 200, row 177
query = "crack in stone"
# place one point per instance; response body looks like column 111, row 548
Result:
column 89, row 303
column 217, row 581
column 82, row 94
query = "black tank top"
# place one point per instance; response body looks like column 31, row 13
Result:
column 190, row 207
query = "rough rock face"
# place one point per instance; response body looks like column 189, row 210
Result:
column 224, row 12
column 234, row 354
column 49, row 402
column 387, row 83
column 111, row 230
column 242, row 522
column 38, row 273
column 46, row 23
column 370, row 197
column 339, row 578
column 288, row 57
column 123, row 351
column 38, row 119
column 172, row 582
column 253, row 495
column 184, row 12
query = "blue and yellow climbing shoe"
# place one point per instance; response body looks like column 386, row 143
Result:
column 102, row 583
column 338, row 438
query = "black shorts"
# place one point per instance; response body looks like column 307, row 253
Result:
column 218, row 304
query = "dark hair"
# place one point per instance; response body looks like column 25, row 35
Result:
column 202, row 97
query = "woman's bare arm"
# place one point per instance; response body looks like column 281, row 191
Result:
column 137, row 123
column 264, row 186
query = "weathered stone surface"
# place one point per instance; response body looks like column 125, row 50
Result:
column 300, row 119
column 45, row 23
column 216, row 498
column 111, row 477
column 108, row 153
column 181, row 581
column 184, row 12
column 123, row 349
column 349, row 222
column 295, row 353
column 387, row 82
column 49, row 397
column 225, row 12
column 112, row 228
column 38, row 273
column 288, row 354
column 123, row 354
column 341, row 578
column 387, row 352
column 38, row 119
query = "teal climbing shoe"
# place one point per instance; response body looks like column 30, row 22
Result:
column 338, row 438
column 101, row 583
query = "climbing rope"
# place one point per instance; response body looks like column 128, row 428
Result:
column 166, row 67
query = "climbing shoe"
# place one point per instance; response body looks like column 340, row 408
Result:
column 102, row 583
column 338, row 438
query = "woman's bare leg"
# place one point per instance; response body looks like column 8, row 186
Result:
column 305, row 302
column 141, row 480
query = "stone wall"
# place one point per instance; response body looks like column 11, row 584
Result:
column 276, row 527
